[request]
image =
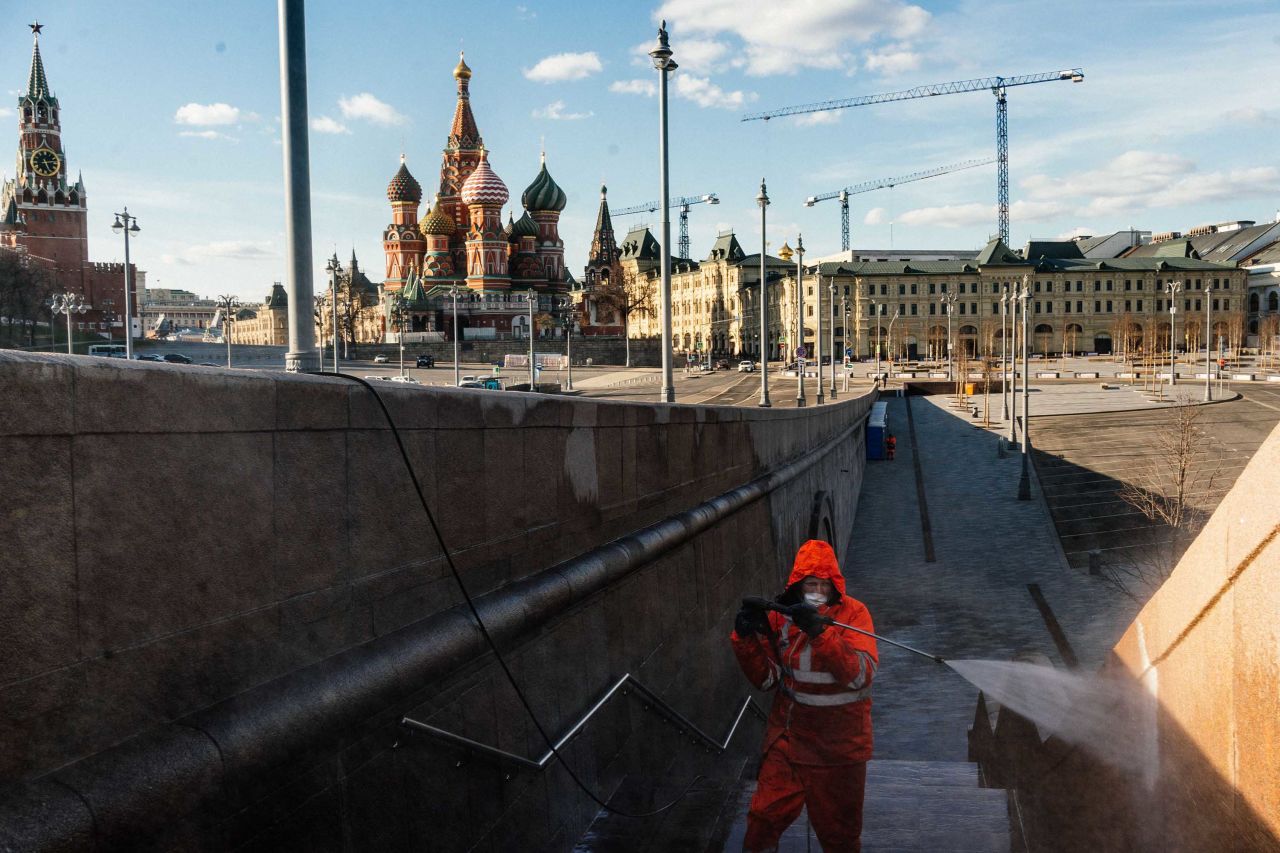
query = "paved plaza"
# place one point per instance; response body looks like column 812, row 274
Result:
column 973, row 600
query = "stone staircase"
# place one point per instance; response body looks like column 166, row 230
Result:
column 910, row 806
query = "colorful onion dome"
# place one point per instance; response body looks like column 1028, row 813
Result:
column 484, row 186
column 544, row 193
column 436, row 222
column 462, row 72
column 403, row 186
column 524, row 227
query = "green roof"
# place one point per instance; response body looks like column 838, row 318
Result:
column 996, row 252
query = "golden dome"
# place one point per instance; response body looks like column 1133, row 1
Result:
column 462, row 72
column 435, row 221
column 785, row 252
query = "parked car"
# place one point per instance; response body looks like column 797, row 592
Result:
column 408, row 379
column 380, row 359
column 176, row 358
column 746, row 367
column 722, row 364
column 426, row 361
column 149, row 356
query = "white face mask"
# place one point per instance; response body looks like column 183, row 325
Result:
column 817, row 599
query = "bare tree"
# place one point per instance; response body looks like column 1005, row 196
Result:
column 1168, row 488
column 25, row 288
column 1268, row 338
column 632, row 294
column 1237, row 325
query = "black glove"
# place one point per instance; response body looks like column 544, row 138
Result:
column 750, row 620
column 806, row 617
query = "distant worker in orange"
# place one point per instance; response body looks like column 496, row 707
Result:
column 818, row 738
column 890, row 446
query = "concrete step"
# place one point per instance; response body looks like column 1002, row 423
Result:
column 910, row 806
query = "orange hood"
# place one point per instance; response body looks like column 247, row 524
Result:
column 817, row 558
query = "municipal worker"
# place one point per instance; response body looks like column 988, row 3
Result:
column 818, row 738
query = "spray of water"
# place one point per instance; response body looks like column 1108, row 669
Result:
column 1113, row 719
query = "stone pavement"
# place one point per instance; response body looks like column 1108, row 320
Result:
column 973, row 602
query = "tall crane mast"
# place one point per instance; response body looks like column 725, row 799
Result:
column 884, row 183
column 682, row 203
column 998, row 87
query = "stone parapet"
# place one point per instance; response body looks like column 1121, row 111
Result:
column 218, row 583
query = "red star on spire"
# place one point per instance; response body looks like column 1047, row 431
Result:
column 36, row 27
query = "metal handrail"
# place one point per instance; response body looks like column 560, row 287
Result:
column 658, row 703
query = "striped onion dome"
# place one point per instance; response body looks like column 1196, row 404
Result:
column 436, row 222
column 544, row 193
column 403, row 186
column 524, row 227
column 484, row 186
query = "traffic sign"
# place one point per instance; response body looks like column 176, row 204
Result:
column 800, row 352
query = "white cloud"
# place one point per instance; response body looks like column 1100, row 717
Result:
column 951, row 215
column 207, row 115
column 368, row 107
column 1250, row 115
column 876, row 216
column 524, row 13
column 894, row 60
column 5, row 111
column 564, row 66
column 634, row 87
column 234, row 250
column 704, row 93
column 325, row 124
column 783, row 38
column 555, row 112
column 820, row 117
column 206, row 134
column 1137, row 180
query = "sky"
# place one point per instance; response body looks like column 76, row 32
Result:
column 172, row 109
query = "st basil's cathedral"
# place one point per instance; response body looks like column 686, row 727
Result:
column 461, row 241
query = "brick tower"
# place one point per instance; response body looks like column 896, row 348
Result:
column 41, row 202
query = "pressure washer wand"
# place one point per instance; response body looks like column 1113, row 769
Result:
column 766, row 604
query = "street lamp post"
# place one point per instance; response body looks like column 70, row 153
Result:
column 844, row 308
column 457, row 376
column 875, row 314
column 661, row 55
column 229, row 305
column 332, row 268
column 533, row 379
column 896, row 313
column 949, row 304
column 568, row 343
column 398, row 309
column 817, row 340
column 128, row 226
column 762, row 199
column 1024, row 479
column 1013, row 363
column 1004, row 353
column 1173, row 288
column 831, row 335
column 68, row 303
column 800, row 402
column 1208, row 347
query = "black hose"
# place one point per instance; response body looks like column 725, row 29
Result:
column 475, row 614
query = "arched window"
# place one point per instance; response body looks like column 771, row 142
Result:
column 1254, row 302
column 1273, row 301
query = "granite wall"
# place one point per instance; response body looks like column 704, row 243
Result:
column 220, row 594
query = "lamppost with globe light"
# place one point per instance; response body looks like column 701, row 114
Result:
column 762, row 199
column 128, row 226
column 333, row 268
column 454, row 290
column 1173, row 288
column 800, row 401
column 229, row 305
column 831, row 335
column 68, row 303
column 661, row 55
column 567, row 304
column 1024, row 479
column 949, row 305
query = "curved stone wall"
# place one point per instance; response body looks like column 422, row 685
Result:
column 221, row 595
